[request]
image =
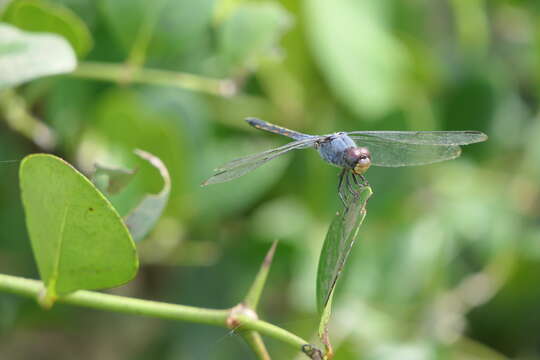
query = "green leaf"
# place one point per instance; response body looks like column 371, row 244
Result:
column 337, row 247
column 361, row 60
column 42, row 16
column 25, row 56
column 334, row 253
column 168, row 123
column 252, row 31
column 323, row 324
column 182, row 26
column 144, row 217
column 111, row 180
column 123, row 27
column 78, row 238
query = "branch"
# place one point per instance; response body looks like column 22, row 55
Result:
column 122, row 73
column 256, row 343
column 122, row 304
column 16, row 114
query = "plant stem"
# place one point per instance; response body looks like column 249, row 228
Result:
column 126, row 74
column 15, row 112
column 256, row 343
column 271, row 330
column 137, row 54
column 122, row 304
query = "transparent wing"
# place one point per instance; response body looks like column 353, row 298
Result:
column 242, row 166
column 422, row 137
column 394, row 154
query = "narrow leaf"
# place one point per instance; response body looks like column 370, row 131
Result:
column 335, row 251
column 323, row 325
column 78, row 238
column 337, row 246
column 143, row 218
column 25, row 56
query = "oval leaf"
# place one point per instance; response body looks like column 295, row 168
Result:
column 25, row 56
column 42, row 16
column 78, row 238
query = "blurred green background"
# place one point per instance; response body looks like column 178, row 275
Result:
column 447, row 264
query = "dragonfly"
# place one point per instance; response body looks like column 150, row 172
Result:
column 355, row 152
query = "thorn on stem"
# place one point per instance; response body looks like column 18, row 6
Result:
column 270, row 255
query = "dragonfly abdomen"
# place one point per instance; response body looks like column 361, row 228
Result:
column 263, row 125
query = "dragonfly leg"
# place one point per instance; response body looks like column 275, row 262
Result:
column 364, row 180
column 355, row 192
column 350, row 186
column 340, row 188
column 355, row 178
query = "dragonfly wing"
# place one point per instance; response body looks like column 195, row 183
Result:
column 422, row 137
column 394, row 154
column 242, row 166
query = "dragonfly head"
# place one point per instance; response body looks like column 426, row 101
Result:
column 358, row 158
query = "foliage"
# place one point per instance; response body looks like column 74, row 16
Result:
column 78, row 239
column 448, row 253
column 26, row 56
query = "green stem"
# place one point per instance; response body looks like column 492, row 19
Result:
column 121, row 73
column 14, row 110
column 271, row 330
column 137, row 55
column 96, row 300
column 122, row 304
column 256, row 343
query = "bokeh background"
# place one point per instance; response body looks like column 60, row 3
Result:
column 447, row 264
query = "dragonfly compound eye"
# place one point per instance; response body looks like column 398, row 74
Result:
column 359, row 158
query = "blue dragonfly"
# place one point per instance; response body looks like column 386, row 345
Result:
column 355, row 151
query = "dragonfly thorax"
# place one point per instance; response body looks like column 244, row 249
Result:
column 358, row 159
column 340, row 150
